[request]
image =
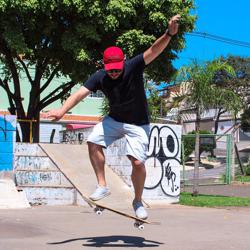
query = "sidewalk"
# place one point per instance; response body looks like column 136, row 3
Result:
column 78, row 228
column 236, row 189
column 10, row 198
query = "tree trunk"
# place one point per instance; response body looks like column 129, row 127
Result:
column 30, row 128
column 197, row 154
column 217, row 119
column 25, row 130
column 33, row 113
column 36, row 128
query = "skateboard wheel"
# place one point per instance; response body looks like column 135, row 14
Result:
column 99, row 212
column 138, row 225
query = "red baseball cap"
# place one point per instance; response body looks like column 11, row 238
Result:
column 113, row 58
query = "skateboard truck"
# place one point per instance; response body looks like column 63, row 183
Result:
column 98, row 210
column 139, row 225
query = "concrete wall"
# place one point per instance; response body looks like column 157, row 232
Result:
column 40, row 179
column 162, row 165
column 46, row 131
column 77, row 136
column 7, row 141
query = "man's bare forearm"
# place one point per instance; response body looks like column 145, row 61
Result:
column 72, row 101
column 162, row 42
column 157, row 48
column 75, row 98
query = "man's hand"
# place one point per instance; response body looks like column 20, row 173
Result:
column 162, row 42
column 173, row 25
column 54, row 114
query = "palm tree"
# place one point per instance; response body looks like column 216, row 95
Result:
column 203, row 94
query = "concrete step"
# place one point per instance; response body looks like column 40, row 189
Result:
column 56, row 195
column 24, row 162
column 28, row 149
column 39, row 178
column 73, row 161
column 10, row 198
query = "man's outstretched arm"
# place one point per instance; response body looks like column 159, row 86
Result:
column 57, row 114
column 162, row 42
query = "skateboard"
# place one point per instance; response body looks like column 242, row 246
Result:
column 99, row 208
column 139, row 223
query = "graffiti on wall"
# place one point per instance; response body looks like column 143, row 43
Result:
column 7, row 141
column 163, row 163
column 77, row 136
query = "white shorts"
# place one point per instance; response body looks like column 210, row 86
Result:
column 109, row 130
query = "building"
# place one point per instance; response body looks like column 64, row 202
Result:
column 87, row 112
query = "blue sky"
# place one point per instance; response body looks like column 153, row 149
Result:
column 225, row 18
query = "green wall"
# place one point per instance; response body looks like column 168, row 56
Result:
column 89, row 106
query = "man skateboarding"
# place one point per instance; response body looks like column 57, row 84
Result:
column 122, row 83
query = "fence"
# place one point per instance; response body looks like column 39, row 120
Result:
column 215, row 159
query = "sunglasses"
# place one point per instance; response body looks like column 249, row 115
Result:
column 114, row 71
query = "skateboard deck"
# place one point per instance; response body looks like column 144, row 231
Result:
column 99, row 208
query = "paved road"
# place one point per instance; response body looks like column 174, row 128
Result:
column 236, row 190
column 213, row 173
column 77, row 228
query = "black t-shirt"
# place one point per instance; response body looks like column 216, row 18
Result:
column 126, row 95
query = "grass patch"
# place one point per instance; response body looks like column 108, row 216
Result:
column 203, row 200
column 243, row 178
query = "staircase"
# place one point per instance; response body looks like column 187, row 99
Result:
column 38, row 176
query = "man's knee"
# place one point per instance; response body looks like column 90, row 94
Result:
column 93, row 147
column 135, row 162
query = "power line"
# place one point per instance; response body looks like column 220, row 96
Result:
column 220, row 39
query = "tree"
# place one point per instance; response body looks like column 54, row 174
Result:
column 189, row 144
column 245, row 120
column 238, row 83
column 203, row 94
column 66, row 38
column 157, row 109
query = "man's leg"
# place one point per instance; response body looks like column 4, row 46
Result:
column 97, row 159
column 138, row 177
column 136, row 150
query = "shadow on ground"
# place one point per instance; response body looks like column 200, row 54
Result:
column 113, row 241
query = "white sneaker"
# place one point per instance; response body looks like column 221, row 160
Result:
column 140, row 211
column 100, row 193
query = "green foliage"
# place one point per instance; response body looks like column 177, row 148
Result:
column 74, row 34
column 203, row 200
column 67, row 38
column 243, row 178
column 248, row 170
column 245, row 120
column 203, row 92
column 239, row 83
column 156, row 103
column 189, row 143
column 105, row 107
